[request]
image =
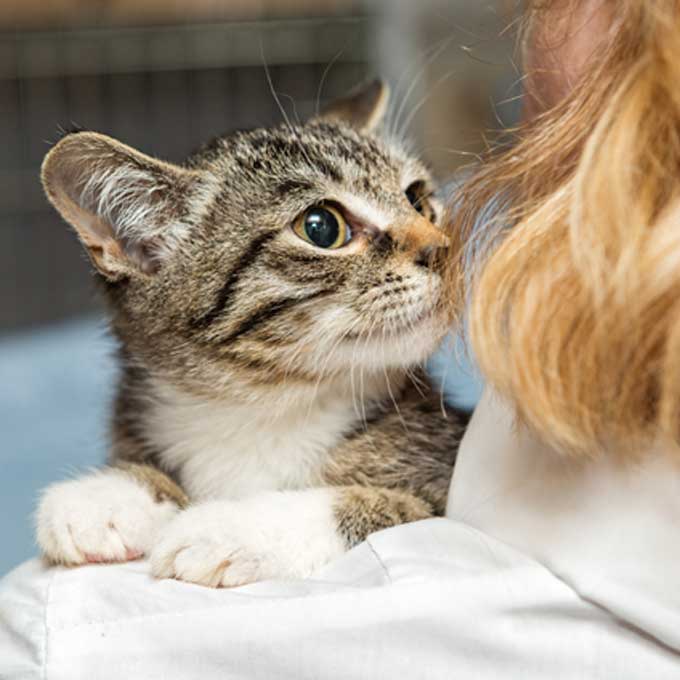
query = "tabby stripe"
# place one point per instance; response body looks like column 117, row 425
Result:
column 293, row 185
column 306, row 259
column 328, row 169
column 245, row 262
column 266, row 372
column 297, row 276
column 272, row 310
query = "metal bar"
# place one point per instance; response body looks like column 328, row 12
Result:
column 135, row 50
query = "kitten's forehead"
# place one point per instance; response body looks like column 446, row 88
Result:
column 330, row 154
column 281, row 170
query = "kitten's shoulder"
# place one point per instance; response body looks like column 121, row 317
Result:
column 410, row 443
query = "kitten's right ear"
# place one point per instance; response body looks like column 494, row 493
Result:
column 363, row 108
column 130, row 210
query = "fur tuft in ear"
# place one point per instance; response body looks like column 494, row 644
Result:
column 130, row 210
column 363, row 108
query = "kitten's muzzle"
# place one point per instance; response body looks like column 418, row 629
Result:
column 418, row 238
column 432, row 257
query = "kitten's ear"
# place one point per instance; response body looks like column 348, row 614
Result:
column 130, row 210
column 363, row 108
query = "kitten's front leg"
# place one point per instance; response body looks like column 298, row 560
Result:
column 284, row 534
column 110, row 515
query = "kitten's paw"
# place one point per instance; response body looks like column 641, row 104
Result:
column 103, row 517
column 273, row 535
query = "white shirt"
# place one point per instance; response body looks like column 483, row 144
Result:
column 608, row 529
column 544, row 571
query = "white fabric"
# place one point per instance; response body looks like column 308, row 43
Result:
column 430, row 600
column 588, row 591
column 608, row 529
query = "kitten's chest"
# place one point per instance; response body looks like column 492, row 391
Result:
column 224, row 451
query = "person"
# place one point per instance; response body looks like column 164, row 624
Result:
column 572, row 454
column 558, row 555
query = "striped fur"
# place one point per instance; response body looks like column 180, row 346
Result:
column 253, row 362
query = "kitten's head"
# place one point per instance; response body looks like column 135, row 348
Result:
column 291, row 253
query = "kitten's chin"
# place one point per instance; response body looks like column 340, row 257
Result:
column 391, row 347
column 404, row 348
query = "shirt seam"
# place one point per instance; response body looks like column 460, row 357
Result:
column 379, row 559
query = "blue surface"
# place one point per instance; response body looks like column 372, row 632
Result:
column 56, row 386
column 55, row 389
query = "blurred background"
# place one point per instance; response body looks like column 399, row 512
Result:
column 165, row 76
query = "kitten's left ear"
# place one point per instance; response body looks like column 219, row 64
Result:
column 363, row 108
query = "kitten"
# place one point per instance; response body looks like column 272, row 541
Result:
column 273, row 299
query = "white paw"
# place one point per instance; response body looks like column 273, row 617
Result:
column 104, row 517
column 287, row 534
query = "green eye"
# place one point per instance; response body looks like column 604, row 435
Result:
column 323, row 226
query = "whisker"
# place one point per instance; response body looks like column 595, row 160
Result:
column 430, row 91
column 389, row 391
column 278, row 103
column 324, row 75
column 416, row 79
column 333, row 349
column 429, row 54
column 291, row 99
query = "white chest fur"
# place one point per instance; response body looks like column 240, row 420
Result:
column 227, row 450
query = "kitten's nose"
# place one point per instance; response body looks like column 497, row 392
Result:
column 421, row 238
column 431, row 256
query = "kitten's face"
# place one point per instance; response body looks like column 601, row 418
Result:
column 278, row 254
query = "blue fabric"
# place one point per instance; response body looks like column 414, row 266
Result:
column 56, row 386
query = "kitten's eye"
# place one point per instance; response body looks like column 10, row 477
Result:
column 323, row 226
column 417, row 197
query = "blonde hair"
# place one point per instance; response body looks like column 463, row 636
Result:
column 575, row 309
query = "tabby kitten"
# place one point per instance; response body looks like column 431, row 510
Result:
column 273, row 298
